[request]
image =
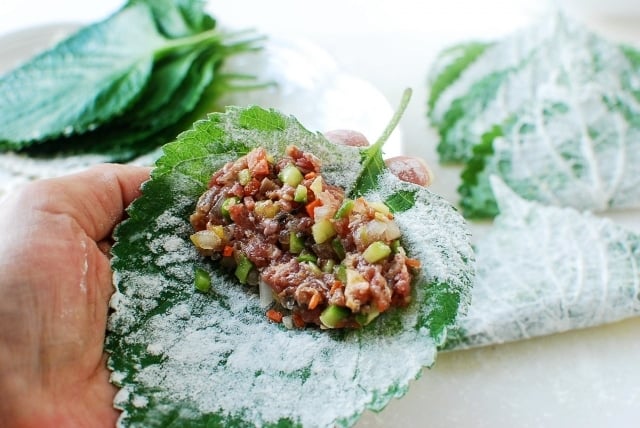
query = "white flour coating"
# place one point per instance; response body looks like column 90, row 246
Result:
column 565, row 103
column 139, row 401
column 544, row 270
column 220, row 355
column 507, row 54
column 122, row 397
column 431, row 240
column 116, row 377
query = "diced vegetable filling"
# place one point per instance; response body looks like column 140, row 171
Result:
column 325, row 259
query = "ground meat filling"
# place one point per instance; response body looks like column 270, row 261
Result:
column 326, row 260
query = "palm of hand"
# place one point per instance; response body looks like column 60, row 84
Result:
column 54, row 302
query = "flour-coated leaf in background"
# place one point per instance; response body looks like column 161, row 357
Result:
column 565, row 102
column 544, row 269
column 192, row 359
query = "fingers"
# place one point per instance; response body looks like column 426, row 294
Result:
column 95, row 198
column 410, row 169
column 406, row 168
column 347, row 137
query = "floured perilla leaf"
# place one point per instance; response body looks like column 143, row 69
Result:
column 186, row 358
column 552, row 110
column 544, row 269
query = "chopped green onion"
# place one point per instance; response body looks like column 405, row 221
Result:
column 345, row 209
column 376, row 251
column 228, row 203
column 365, row 318
column 296, row 243
column 202, row 280
column 244, row 176
column 300, row 194
column 338, row 248
column 341, row 273
column 333, row 314
column 307, row 256
column 395, row 246
column 328, row 266
column 322, row 231
column 243, row 268
column 291, row 175
column 314, row 268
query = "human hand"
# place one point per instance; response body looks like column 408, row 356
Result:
column 55, row 285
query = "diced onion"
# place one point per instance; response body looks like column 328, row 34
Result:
column 328, row 207
column 376, row 230
column 266, row 294
column 393, row 231
column 287, row 320
column 206, row 240
column 322, row 212
column 316, row 186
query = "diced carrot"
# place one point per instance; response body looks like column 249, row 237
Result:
column 261, row 168
column 310, row 175
column 311, row 206
column 335, row 286
column 228, row 251
column 298, row 321
column 255, row 156
column 274, row 315
column 315, row 301
column 251, row 188
column 413, row 263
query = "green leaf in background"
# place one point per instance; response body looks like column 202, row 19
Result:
column 566, row 104
column 119, row 87
column 179, row 18
column 474, row 186
column 449, row 65
column 193, row 359
column 544, row 270
column 128, row 131
column 87, row 79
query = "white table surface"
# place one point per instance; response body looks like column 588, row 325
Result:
column 588, row 378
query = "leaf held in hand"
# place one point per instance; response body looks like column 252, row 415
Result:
column 215, row 359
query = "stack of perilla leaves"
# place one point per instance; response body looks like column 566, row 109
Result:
column 120, row 87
